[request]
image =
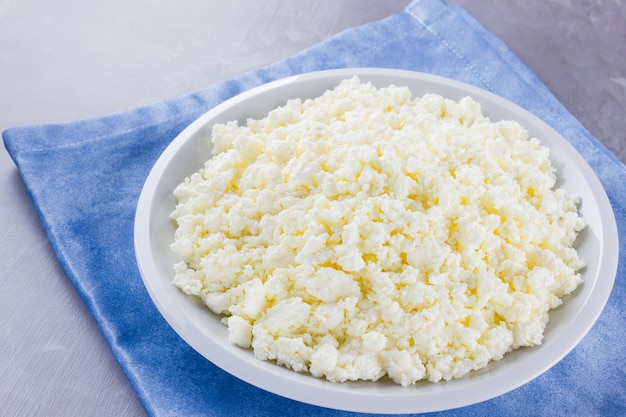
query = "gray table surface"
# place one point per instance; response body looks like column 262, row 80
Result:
column 67, row 60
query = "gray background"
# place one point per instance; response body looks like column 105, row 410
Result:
column 68, row 59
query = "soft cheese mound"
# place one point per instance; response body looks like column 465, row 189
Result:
column 366, row 233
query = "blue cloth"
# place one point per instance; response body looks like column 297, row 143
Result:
column 85, row 177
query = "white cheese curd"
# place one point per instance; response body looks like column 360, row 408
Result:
column 367, row 233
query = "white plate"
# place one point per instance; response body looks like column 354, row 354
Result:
column 154, row 231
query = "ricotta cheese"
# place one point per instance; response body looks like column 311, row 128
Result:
column 367, row 233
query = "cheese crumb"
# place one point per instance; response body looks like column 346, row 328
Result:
column 366, row 233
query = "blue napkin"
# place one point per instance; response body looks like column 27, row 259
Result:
column 84, row 179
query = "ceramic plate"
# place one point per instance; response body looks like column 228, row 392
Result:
column 154, row 232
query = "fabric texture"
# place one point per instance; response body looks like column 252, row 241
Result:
column 85, row 177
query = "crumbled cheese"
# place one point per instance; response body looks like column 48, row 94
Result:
column 366, row 233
